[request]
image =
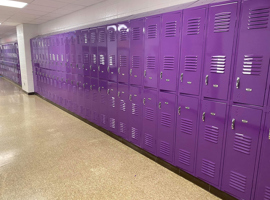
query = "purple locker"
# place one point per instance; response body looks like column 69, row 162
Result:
column 169, row 47
column 79, row 42
column 241, row 149
column 192, row 49
column 62, row 53
column 151, row 51
column 55, row 87
column 95, row 100
column 166, row 126
column 54, row 51
column 80, row 95
column 73, row 59
column 253, row 56
column 68, row 103
column 136, row 51
column 85, row 52
column 135, row 115
column 93, row 52
column 150, row 118
column 219, row 49
column 103, row 103
column 210, row 141
column 123, row 38
column 67, row 53
column 51, row 87
column 75, row 85
column 112, row 107
column 63, row 97
column 102, row 53
column 122, row 110
column 263, row 178
column 87, row 98
column 112, row 52
column 57, row 53
column 186, row 133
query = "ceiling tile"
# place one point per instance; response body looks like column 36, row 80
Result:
column 67, row 1
column 39, row 7
column 34, row 12
column 10, row 23
column 49, row 3
column 72, row 7
column 87, row 2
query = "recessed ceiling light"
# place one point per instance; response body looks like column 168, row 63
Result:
column 15, row 4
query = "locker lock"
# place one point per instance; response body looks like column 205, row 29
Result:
column 161, row 73
column 181, row 78
column 237, row 82
column 144, row 73
column 143, row 101
column 179, row 110
column 203, row 116
column 206, row 79
column 159, row 105
column 130, row 97
column 233, row 124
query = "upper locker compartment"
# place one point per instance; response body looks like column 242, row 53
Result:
column 123, row 52
column 151, row 51
column 253, row 53
column 169, row 50
column 112, row 52
column 102, row 53
column 136, row 51
column 93, row 52
column 85, row 52
column 192, row 48
column 220, row 44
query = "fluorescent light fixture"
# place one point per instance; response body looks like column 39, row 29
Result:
column 15, row 4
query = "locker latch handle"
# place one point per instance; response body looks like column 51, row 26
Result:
column 130, row 97
column 206, row 79
column 90, row 67
column 143, row 101
column 203, row 116
column 119, row 94
column 108, row 91
column 233, row 124
column 108, row 69
column 99, row 89
column 91, row 87
column 130, row 71
column 237, row 82
column 118, row 70
column 83, row 85
column 98, row 68
column 269, row 134
column 159, row 105
column 179, row 110
column 161, row 73
column 144, row 73
column 83, row 66
column 181, row 78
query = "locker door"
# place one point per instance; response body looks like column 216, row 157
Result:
column 123, row 52
column 135, row 115
column 253, row 53
column 192, row 50
column 241, row 149
column 79, row 63
column 95, row 100
column 112, row 107
column 210, row 140
column 75, row 84
column 166, row 126
column 151, row 53
column 80, row 95
column 112, row 52
column 186, row 132
column 219, row 49
column 102, row 53
column 263, row 178
column 103, row 101
column 169, row 50
column 85, row 52
column 122, row 110
column 69, row 92
column 88, row 98
column 63, row 89
column 93, row 53
column 73, row 59
column 136, row 51
column 67, row 53
column 150, row 120
column 62, row 53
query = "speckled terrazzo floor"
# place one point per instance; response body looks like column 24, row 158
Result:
column 45, row 153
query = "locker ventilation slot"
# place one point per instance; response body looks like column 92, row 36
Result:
column 186, row 126
column 218, row 64
column 165, row 148
column 112, row 60
column 184, row 157
column 136, row 35
column 135, row 61
column 122, row 127
column 112, row 36
column 152, row 31
column 101, row 37
column 94, row 58
column 252, row 65
column 208, row 168
column 134, row 109
column 103, row 119
column 191, row 63
column 134, row 133
column 170, row 29
column 122, row 105
column 267, row 193
column 151, row 60
column 123, row 61
column 222, row 22
column 113, row 102
column 193, row 27
column 102, row 59
column 211, row 134
column 168, row 63
column 149, row 114
column 258, row 18
column 238, row 181
column 242, row 143
column 123, row 34
column 149, row 141
column 93, row 37
column 85, row 58
column 165, row 119
column 112, row 123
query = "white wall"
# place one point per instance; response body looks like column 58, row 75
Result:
column 9, row 39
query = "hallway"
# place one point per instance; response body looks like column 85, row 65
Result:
column 46, row 153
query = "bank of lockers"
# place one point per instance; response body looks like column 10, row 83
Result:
column 190, row 86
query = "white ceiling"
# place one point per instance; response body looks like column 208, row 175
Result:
column 38, row 12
